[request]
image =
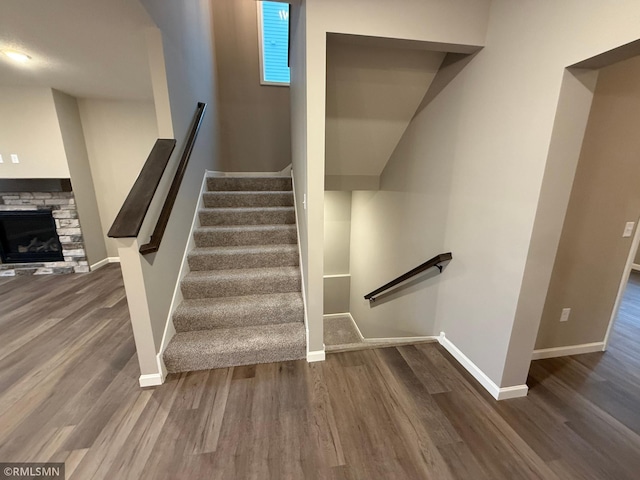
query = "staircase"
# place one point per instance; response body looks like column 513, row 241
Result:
column 242, row 302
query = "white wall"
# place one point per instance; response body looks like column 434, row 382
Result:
column 29, row 128
column 119, row 136
column 75, row 148
column 372, row 94
column 448, row 25
column 337, row 245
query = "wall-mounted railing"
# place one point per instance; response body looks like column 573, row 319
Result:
column 439, row 262
column 132, row 214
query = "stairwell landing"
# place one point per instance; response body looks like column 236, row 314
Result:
column 242, row 298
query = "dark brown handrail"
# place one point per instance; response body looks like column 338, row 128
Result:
column 163, row 219
column 134, row 208
column 436, row 261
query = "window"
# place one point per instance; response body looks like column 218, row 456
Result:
column 273, row 23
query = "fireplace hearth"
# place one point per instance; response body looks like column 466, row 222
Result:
column 29, row 237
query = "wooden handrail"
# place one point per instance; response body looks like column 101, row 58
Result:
column 165, row 213
column 135, row 207
column 436, row 261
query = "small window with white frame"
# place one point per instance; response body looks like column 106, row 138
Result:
column 273, row 35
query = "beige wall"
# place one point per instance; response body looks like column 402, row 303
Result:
column 29, row 128
column 119, row 136
column 372, row 94
column 592, row 253
column 254, row 118
column 337, row 244
column 81, row 180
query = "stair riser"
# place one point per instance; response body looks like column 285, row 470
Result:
column 185, row 322
column 242, row 237
column 248, row 260
column 211, row 288
column 243, row 200
column 189, row 364
column 210, row 219
column 248, row 184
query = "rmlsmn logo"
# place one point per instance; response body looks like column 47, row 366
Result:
column 40, row 471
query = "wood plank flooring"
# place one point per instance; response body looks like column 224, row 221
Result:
column 69, row 392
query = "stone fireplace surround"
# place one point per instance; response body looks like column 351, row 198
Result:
column 63, row 208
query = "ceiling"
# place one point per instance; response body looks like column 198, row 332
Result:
column 86, row 48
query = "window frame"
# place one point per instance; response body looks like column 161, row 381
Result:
column 263, row 81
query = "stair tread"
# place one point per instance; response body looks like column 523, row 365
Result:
column 242, row 272
column 222, row 312
column 244, row 249
column 271, row 299
column 233, row 339
column 222, row 347
column 248, row 192
column 247, row 209
column 239, row 228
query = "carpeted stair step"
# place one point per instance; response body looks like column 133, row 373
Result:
column 245, row 235
column 246, row 216
column 247, row 199
column 232, row 283
column 248, row 183
column 210, row 313
column 225, row 347
column 253, row 256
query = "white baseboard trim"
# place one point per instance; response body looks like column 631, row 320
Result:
column 316, row 356
column 103, row 262
column 401, row 339
column 285, row 172
column 151, row 380
column 635, row 266
column 565, row 351
column 499, row 393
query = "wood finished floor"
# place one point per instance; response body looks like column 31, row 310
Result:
column 69, row 392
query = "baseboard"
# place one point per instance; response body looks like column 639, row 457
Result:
column 282, row 173
column 635, row 266
column 565, row 351
column 103, row 262
column 316, row 356
column 499, row 393
column 151, row 380
column 401, row 339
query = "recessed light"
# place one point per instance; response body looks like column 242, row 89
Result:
column 17, row 56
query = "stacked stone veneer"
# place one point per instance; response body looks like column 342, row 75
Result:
column 63, row 209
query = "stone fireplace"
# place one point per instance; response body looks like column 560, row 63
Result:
column 40, row 232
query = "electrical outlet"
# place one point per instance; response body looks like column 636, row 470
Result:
column 628, row 229
column 14, row 158
column 564, row 316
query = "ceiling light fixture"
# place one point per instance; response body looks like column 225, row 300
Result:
column 17, row 56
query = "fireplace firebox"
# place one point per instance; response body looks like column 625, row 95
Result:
column 29, row 236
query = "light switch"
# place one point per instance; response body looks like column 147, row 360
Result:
column 14, row 158
column 628, row 229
